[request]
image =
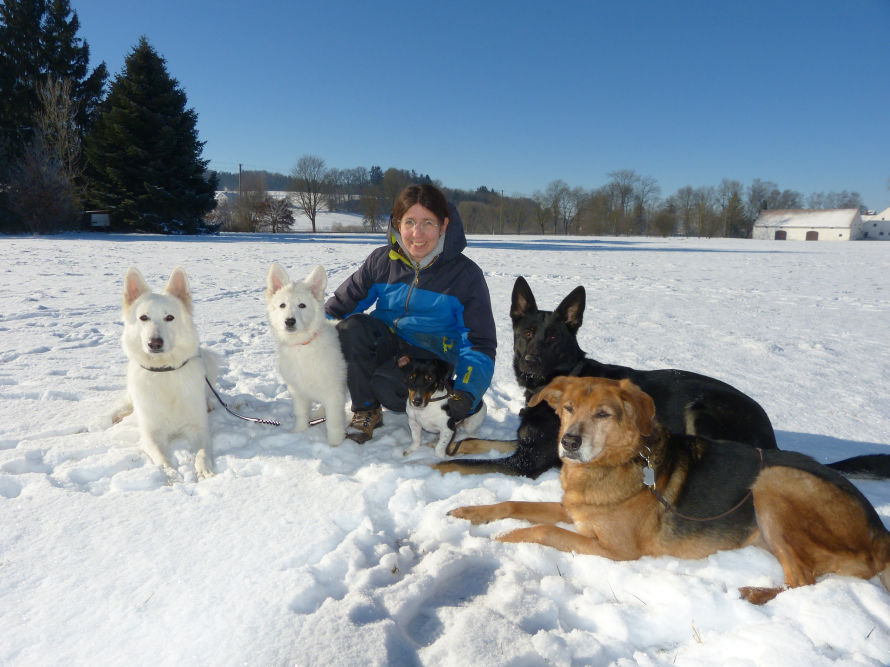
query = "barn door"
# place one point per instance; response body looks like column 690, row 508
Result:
column 812, row 236
column 781, row 235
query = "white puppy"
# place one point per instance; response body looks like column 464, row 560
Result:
column 166, row 370
column 309, row 355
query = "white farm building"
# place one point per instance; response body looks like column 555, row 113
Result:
column 844, row 224
column 876, row 227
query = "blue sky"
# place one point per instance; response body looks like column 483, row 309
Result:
column 513, row 95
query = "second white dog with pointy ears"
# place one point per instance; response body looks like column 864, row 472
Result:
column 167, row 369
column 309, row 355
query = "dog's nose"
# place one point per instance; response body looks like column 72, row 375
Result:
column 290, row 322
column 571, row 442
column 156, row 343
column 532, row 359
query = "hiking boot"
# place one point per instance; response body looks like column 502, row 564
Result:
column 364, row 422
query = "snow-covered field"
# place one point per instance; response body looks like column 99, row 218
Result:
column 299, row 553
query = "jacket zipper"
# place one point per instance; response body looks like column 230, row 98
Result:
column 395, row 324
column 417, row 270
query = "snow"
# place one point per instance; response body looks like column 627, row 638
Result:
column 299, row 553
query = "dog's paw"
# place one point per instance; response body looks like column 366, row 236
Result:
column 172, row 474
column 203, row 466
column 758, row 595
column 475, row 514
column 123, row 411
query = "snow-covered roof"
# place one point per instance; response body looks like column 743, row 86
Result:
column 883, row 215
column 812, row 219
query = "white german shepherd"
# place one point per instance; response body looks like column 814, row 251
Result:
column 309, row 356
column 166, row 370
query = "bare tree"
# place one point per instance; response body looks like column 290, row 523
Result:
column 727, row 193
column 394, row 181
column 57, row 127
column 541, row 212
column 372, row 207
column 39, row 193
column 706, row 220
column 250, row 208
column 646, row 195
column 556, row 199
column 623, row 183
column 684, row 202
column 308, row 184
column 43, row 187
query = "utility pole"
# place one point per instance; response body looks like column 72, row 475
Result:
column 239, row 182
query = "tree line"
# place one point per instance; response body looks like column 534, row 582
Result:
column 628, row 204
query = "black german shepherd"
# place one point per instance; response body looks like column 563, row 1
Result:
column 545, row 346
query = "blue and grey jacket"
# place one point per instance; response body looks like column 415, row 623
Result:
column 441, row 305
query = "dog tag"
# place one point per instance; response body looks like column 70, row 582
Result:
column 648, row 476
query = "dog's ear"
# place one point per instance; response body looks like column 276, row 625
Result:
column 317, row 282
column 276, row 279
column 178, row 286
column 134, row 286
column 552, row 393
column 523, row 301
column 403, row 361
column 571, row 310
column 639, row 406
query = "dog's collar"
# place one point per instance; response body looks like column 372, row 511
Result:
column 167, row 369
column 306, row 342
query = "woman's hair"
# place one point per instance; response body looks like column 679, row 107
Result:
column 428, row 196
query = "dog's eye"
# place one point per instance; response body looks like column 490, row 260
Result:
column 569, row 408
column 551, row 338
column 427, row 378
column 302, row 305
column 169, row 318
column 282, row 305
column 602, row 414
column 143, row 318
column 528, row 333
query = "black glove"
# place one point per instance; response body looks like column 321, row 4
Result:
column 460, row 403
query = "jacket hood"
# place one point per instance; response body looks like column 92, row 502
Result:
column 450, row 245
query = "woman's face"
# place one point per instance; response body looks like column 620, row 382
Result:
column 420, row 230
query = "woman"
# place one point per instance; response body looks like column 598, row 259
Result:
column 430, row 300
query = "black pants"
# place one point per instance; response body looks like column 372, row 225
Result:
column 371, row 351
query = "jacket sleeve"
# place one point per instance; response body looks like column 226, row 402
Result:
column 478, row 345
column 356, row 294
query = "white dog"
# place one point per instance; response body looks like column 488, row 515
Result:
column 309, row 355
column 166, row 370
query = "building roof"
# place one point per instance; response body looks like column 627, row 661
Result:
column 883, row 215
column 839, row 218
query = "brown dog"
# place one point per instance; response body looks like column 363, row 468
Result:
column 631, row 489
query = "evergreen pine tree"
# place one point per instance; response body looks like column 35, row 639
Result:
column 37, row 41
column 737, row 223
column 144, row 157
